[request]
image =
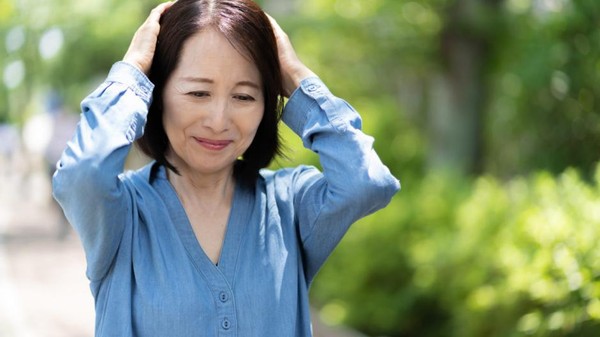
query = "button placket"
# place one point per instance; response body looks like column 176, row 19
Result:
column 226, row 311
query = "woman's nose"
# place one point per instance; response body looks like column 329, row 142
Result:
column 217, row 117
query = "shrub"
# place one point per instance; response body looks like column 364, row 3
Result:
column 452, row 257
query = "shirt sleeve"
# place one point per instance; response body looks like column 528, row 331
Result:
column 87, row 181
column 354, row 181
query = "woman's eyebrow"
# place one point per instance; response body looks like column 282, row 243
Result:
column 195, row 79
column 248, row 84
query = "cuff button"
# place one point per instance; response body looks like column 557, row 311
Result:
column 312, row 88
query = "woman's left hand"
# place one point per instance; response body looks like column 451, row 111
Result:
column 293, row 71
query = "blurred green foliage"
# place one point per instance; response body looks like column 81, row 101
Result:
column 451, row 257
column 544, row 110
column 509, row 252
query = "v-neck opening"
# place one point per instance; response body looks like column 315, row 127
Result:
column 239, row 214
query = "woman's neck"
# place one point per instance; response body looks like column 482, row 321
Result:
column 208, row 192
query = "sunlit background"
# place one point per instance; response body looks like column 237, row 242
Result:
column 487, row 111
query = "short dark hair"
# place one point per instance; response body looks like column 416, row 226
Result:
column 249, row 30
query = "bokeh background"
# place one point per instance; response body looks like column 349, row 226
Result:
column 486, row 110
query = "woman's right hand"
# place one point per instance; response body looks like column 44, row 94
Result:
column 142, row 47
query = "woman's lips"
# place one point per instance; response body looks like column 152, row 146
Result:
column 212, row 144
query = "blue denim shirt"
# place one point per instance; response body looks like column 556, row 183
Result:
column 148, row 274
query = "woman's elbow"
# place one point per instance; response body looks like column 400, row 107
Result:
column 371, row 192
column 381, row 189
column 78, row 181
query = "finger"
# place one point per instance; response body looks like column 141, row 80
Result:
column 275, row 25
column 161, row 8
column 158, row 11
column 151, row 26
column 143, row 45
column 273, row 22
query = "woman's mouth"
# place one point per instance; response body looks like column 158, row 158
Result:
column 212, row 144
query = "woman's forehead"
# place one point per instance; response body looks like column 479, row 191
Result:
column 209, row 53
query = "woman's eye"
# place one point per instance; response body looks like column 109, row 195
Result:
column 245, row 98
column 199, row 93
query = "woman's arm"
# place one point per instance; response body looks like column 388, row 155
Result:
column 354, row 182
column 87, row 183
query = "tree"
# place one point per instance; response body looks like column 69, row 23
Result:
column 459, row 92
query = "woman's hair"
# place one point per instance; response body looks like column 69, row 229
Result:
column 249, row 30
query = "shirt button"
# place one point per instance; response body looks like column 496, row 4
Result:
column 312, row 88
column 225, row 324
column 223, row 296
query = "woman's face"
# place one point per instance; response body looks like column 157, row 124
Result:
column 213, row 104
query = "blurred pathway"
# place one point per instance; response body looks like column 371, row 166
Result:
column 43, row 289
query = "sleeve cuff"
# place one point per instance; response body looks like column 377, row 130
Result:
column 125, row 73
column 312, row 103
column 302, row 100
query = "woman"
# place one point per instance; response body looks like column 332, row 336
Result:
column 203, row 241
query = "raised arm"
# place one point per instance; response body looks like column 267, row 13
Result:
column 354, row 181
column 87, row 181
